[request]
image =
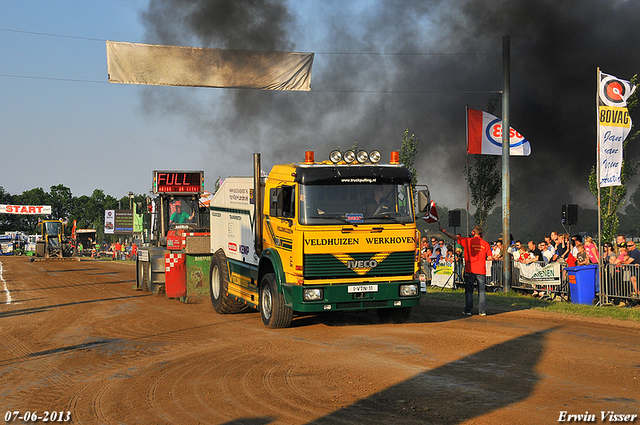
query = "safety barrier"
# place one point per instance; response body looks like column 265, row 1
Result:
column 618, row 284
column 534, row 277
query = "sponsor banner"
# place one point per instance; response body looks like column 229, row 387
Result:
column 338, row 242
column 614, row 126
column 537, row 274
column 109, row 221
column 123, row 222
column 25, row 209
column 442, row 275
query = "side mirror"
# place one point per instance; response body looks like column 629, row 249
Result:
column 424, row 198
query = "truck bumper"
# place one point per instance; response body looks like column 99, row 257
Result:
column 338, row 298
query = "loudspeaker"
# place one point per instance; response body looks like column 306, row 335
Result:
column 454, row 218
column 570, row 214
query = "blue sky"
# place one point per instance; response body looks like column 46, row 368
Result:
column 60, row 121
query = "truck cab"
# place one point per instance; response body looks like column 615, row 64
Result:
column 334, row 235
column 176, row 217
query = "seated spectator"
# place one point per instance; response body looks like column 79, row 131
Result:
column 549, row 241
column 426, row 260
column 437, row 258
column 623, row 255
column 424, row 246
column 554, row 238
column 582, row 259
column 443, row 248
column 534, row 253
column 592, row 250
column 524, row 254
column 620, row 239
column 548, row 252
column 562, row 248
column 498, row 251
column 574, row 242
column 607, row 252
column 515, row 251
column 634, row 255
column 625, row 283
column 634, row 252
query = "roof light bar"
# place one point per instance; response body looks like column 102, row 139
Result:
column 335, row 156
column 349, row 156
column 362, row 156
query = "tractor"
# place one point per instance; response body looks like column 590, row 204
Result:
column 53, row 243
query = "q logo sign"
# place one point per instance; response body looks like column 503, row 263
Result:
column 614, row 92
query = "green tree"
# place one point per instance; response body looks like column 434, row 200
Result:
column 408, row 153
column 61, row 201
column 485, row 183
column 612, row 198
column 6, row 220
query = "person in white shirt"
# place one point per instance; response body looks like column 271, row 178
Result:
column 546, row 254
column 514, row 250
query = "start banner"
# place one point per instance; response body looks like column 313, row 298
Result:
column 25, row 209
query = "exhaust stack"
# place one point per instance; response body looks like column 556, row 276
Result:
column 257, row 198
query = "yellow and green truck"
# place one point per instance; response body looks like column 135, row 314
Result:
column 336, row 235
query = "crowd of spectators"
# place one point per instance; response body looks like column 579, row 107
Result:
column 115, row 251
column 556, row 247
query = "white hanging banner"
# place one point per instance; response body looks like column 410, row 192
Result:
column 135, row 63
column 614, row 126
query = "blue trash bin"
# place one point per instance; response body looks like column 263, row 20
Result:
column 582, row 283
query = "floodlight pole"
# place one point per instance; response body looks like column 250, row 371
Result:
column 506, row 151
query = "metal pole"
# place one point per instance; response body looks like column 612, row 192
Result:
column 600, row 260
column 466, row 138
column 506, row 151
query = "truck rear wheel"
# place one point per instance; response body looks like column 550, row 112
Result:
column 275, row 314
column 143, row 277
column 394, row 315
column 219, row 287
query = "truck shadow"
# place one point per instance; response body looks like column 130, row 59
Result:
column 483, row 382
column 429, row 311
column 475, row 385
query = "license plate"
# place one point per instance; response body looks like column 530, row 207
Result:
column 362, row 288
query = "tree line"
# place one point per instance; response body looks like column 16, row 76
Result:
column 87, row 211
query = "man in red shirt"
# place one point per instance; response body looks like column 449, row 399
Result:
column 476, row 252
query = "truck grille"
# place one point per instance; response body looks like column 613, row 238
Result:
column 329, row 266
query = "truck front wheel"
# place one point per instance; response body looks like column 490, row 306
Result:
column 275, row 314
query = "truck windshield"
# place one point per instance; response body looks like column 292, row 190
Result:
column 182, row 211
column 53, row 228
column 355, row 204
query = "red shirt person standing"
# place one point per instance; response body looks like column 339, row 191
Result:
column 477, row 252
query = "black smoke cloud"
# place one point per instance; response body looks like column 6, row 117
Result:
column 385, row 66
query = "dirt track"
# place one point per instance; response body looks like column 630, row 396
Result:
column 77, row 338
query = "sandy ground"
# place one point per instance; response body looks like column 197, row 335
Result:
column 77, row 338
